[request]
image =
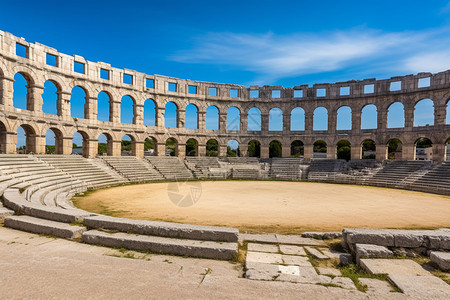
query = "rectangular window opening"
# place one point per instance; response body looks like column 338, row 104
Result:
column 78, row 67
column 321, row 92
column 104, row 74
column 192, row 89
column 149, row 83
column 254, row 93
column 21, row 50
column 395, row 86
column 212, row 91
column 234, row 93
column 50, row 60
column 127, row 78
column 369, row 88
column 276, row 93
column 424, row 82
column 344, row 91
column 172, row 87
column 298, row 93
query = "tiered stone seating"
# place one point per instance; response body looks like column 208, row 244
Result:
column 172, row 168
column 83, row 169
column 436, row 180
column 323, row 169
column 206, row 167
column 287, row 168
column 132, row 168
column 242, row 167
column 399, row 174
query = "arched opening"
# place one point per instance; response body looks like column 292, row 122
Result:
column 170, row 115
column 171, row 147
column 212, row 148
column 80, row 143
column 368, row 149
column 320, row 149
column 343, row 149
column 149, row 113
column 233, row 118
column 344, row 118
column 26, row 140
column 150, row 147
column 212, row 118
column 103, row 107
column 3, row 148
column 396, row 115
column 78, row 107
column 104, row 145
column 369, row 117
column 127, row 110
column 128, row 146
column 191, row 147
column 447, row 150
column 298, row 119
column 232, row 148
column 50, row 98
column 21, row 91
column 424, row 149
column 254, row 119
column 191, row 117
column 254, row 148
column 297, row 149
column 275, row 119
column 275, row 149
column 53, row 141
column 395, row 148
column 320, row 120
column 447, row 120
column 424, row 113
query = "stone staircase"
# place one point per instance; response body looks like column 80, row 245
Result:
column 434, row 180
column 172, row 168
column 206, row 167
column 287, row 168
column 325, row 169
column 247, row 168
column 132, row 168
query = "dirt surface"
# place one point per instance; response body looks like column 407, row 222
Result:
column 272, row 206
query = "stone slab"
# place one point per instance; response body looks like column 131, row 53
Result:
column 345, row 259
column 442, row 259
column 40, row 226
column 322, row 235
column 329, row 271
column 316, row 253
column 266, row 258
column 427, row 287
column 163, row 245
column 258, row 238
column 290, row 270
column 344, row 282
column 262, row 248
column 376, row 285
column 296, row 260
column 372, row 251
column 292, row 250
column 392, row 266
column 298, row 240
column 261, row 271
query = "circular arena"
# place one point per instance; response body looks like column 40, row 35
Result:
column 227, row 172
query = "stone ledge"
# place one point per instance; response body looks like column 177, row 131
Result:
column 442, row 259
column 372, row 251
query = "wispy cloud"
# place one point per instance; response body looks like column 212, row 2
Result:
column 273, row 57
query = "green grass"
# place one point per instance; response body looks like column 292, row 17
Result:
column 354, row 272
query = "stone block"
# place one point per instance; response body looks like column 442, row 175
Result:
column 393, row 266
column 267, row 258
column 344, row 282
column 329, row 271
column 316, row 253
column 322, row 235
column 262, row 248
column 442, row 259
column 292, row 250
column 421, row 287
column 296, row 260
column 345, row 259
column 376, row 286
column 368, row 236
column 372, row 251
column 298, row 240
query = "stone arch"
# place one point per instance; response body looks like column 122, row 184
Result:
column 254, row 119
column 150, row 146
column 84, row 143
column 275, row 149
column 105, row 144
column 320, row 149
column 297, row 119
column 233, row 148
column 368, row 149
column 28, row 145
column 212, row 147
column 297, row 148
column 344, row 118
column 320, row 119
column 3, row 138
column 369, row 117
column 128, row 145
column 79, row 95
column 233, row 118
column 447, row 150
column 395, row 149
column 275, row 119
column 22, row 91
column 171, row 115
column 51, row 98
column 343, row 150
column 171, row 147
column 423, row 149
column 57, row 143
column 149, row 112
column 128, row 110
column 191, row 116
column 191, row 147
column 104, row 106
column 212, row 118
column 424, row 113
column 254, row 148
column 396, row 115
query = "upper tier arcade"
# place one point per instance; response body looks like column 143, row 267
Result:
column 38, row 64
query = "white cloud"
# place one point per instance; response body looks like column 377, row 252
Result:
column 429, row 62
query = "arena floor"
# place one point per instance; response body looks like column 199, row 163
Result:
column 272, row 206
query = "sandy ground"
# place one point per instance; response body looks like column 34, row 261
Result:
column 272, row 206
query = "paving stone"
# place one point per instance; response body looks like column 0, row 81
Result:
column 329, row 271
column 292, row 250
column 262, row 248
column 261, row 271
column 290, row 270
column 298, row 240
column 306, row 275
column 442, row 259
column 322, row 235
column 392, row 266
column 258, row 238
column 296, row 260
column 345, row 259
column 267, row 258
column 316, row 253
column 424, row 286
column 372, row 251
column 344, row 282
column 330, row 254
column 376, row 285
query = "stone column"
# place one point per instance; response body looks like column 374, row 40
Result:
column 408, row 152
column 439, row 115
column 159, row 119
column 116, row 148
column 90, row 108
column 286, row 151
column 243, row 149
column 286, row 123
column 439, row 154
column 160, row 149
column 222, row 150
column 332, row 151
column 382, row 119
column 90, row 148
column 264, row 124
column 222, row 123
column 114, row 114
column 201, row 149
column 356, row 122
column 138, row 149
column 138, row 114
column 244, row 122
column 34, row 97
column 63, row 105
column 332, row 122
column 409, row 117
column 7, row 91
column 181, row 151
column 309, row 119
column 308, row 150
column 264, row 151
column 381, row 152
column 10, row 145
column 181, row 118
column 67, row 145
column 201, row 115
column 356, row 152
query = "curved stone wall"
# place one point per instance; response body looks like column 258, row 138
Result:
column 355, row 95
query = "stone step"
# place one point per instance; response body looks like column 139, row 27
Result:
column 441, row 259
column 163, row 245
column 41, row 226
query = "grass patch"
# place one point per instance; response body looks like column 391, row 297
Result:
column 77, row 223
column 354, row 272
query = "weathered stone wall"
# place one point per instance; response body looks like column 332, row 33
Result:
column 36, row 122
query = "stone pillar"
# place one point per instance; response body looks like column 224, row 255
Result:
column 90, row 148
column 381, row 152
column 286, row 151
column 439, row 154
column 114, row 114
column 201, row 120
column 439, row 115
column 63, row 105
column 332, row 122
column 10, row 142
column 382, row 119
column 409, row 117
column 244, row 122
column 332, row 151
column 309, row 119
column 116, row 148
column 138, row 115
column 181, row 118
column 222, row 150
column 201, row 149
column 159, row 119
column 243, row 150
column 181, row 151
column 264, row 151
column 264, row 124
column 408, row 151
column 286, row 123
column 222, row 123
column 160, row 149
column 356, row 122
column 34, row 97
column 138, row 149
column 308, row 150
column 7, row 92
column 356, row 151
column 67, row 145
column 39, row 146
column 90, row 108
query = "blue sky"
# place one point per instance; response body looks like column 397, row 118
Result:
column 244, row 42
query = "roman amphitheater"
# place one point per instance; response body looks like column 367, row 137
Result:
column 299, row 209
